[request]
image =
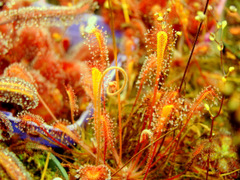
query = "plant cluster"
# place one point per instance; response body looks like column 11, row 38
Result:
column 160, row 117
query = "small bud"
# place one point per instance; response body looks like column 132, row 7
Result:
column 231, row 69
column 210, row 7
column 232, row 9
column 220, row 47
column 144, row 133
column 179, row 33
column 207, row 107
column 224, row 24
column 160, row 18
column 224, row 79
column 200, row 16
column 196, row 4
column 212, row 37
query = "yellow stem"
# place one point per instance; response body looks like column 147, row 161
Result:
column 229, row 173
column 46, row 165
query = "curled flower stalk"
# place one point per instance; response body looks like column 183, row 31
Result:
column 98, row 79
column 149, row 131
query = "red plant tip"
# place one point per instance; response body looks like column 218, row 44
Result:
column 146, row 133
column 90, row 172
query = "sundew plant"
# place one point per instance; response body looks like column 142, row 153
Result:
column 119, row 89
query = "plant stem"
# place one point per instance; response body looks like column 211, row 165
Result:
column 194, row 44
column 98, row 111
column 117, row 79
column 210, row 136
column 150, row 144
column 46, row 165
column 47, row 108
column 125, row 11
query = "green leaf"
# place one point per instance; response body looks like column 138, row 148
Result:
column 56, row 165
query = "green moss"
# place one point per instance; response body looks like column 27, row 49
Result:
column 35, row 163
